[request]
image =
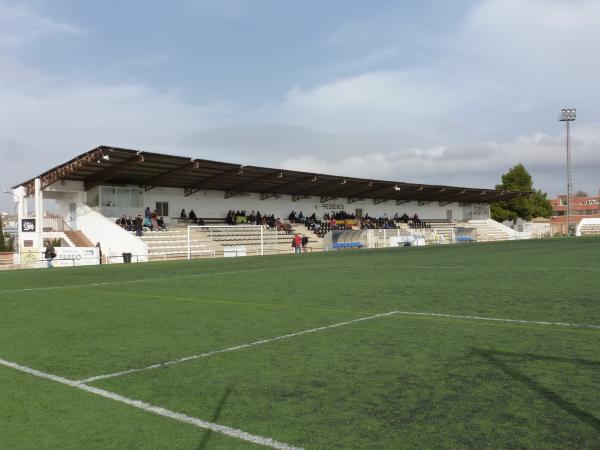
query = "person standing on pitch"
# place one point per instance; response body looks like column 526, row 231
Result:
column 297, row 243
column 138, row 223
column 99, row 252
column 50, row 253
column 304, row 242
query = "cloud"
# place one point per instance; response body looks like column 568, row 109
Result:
column 20, row 25
column 476, row 165
column 400, row 157
column 373, row 101
column 47, row 121
column 510, row 64
column 484, row 99
column 143, row 62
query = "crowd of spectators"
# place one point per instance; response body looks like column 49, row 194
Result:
column 191, row 216
column 241, row 217
column 151, row 221
column 336, row 220
column 377, row 223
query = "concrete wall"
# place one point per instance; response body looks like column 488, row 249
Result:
column 113, row 239
column 214, row 204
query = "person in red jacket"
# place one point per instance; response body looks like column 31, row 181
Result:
column 297, row 243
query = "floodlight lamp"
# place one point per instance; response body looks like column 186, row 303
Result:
column 397, row 188
column 567, row 114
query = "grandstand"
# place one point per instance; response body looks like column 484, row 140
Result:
column 94, row 190
column 588, row 227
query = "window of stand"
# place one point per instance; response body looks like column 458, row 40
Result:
column 121, row 197
column 162, row 209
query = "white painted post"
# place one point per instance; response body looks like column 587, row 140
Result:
column 262, row 249
column 189, row 247
column 39, row 215
column 19, row 197
column 384, row 238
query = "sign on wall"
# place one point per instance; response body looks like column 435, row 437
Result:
column 76, row 256
column 28, row 225
column 332, row 206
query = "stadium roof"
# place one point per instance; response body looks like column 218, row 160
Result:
column 119, row 166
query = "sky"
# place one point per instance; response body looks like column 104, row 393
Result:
column 420, row 91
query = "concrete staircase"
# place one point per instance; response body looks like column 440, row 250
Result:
column 274, row 242
column 315, row 243
column 592, row 229
column 209, row 242
column 490, row 230
column 172, row 244
column 445, row 232
column 78, row 239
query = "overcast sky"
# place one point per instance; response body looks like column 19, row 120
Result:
column 446, row 92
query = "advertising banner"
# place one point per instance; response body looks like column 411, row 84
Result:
column 76, row 256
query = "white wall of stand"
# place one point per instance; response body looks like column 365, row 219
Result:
column 210, row 203
column 71, row 202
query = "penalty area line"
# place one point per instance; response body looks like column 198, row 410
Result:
column 496, row 319
column 232, row 349
column 327, row 327
column 199, row 423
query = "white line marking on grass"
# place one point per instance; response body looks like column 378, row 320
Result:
column 107, row 283
column 232, row 432
column 326, row 327
column 232, row 349
column 450, row 267
column 494, row 319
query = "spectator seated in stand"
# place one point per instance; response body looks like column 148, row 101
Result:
column 281, row 226
column 154, row 221
column 147, row 223
column 183, row 215
column 230, row 218
column 377, row 223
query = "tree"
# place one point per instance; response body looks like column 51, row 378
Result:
column 536, row 205
column 2, row 242
column 581, row 194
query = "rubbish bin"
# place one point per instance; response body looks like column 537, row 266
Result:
column 126, row 257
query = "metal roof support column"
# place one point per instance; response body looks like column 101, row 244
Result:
column 39, row 215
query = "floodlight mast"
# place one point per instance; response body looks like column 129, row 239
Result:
column 568, row 115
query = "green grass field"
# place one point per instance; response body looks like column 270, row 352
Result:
column 394, row 381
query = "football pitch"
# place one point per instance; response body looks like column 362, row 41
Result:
column 465, row 346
